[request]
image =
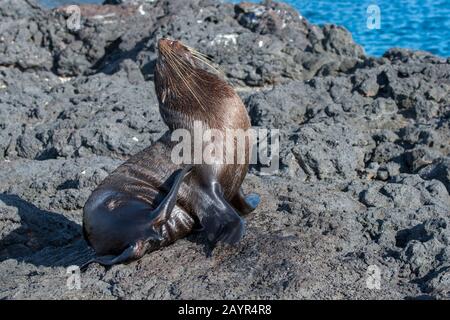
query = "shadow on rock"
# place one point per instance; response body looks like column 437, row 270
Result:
column 42, row 238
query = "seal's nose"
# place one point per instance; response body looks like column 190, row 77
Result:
column 165, row 43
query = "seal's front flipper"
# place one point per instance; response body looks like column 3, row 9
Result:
column 166, row 206
column 131, row 253
column 245, row 204
column 218, row 218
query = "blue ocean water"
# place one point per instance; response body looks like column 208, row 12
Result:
column 57, row 3
column 414, row 24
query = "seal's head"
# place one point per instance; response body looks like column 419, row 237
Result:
column 175, row 52
column 182, row 82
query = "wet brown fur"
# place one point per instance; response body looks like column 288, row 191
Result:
column 186, row 92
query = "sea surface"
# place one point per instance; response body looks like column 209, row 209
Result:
column 376, row 25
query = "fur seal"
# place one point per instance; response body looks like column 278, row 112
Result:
column 149, row 201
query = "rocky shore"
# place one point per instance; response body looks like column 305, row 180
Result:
column 364, row 175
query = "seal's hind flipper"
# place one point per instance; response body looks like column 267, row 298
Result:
column 130, row 253
column 166, row 206
column 127, row 255
column 219, row 219
column 245, row 204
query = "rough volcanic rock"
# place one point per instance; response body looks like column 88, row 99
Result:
column 364, row 175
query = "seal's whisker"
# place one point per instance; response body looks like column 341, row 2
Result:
column 172, row 62
column 205, row 59
column 216, row 69
column 185, row 66
column 187, row 69
column 199, row 54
